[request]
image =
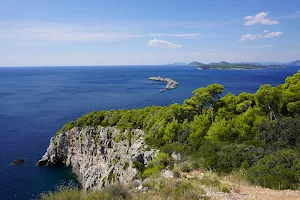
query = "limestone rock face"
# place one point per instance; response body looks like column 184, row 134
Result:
column 99, row 156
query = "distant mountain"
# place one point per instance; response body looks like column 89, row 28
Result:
column 178, row 64
column 297, row 62
column 196, row 64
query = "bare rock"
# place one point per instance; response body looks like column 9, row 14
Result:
column 98, row 156
column 17, row 162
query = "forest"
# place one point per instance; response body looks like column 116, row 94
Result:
column 258, row 133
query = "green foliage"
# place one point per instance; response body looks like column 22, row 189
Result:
column 199, row 128
column 152, row 171
column 186, row 167
column 173, row 189
column 71, row 193
column 280, row 134
column 170, row 131
column 156, row 165
column 277, row 171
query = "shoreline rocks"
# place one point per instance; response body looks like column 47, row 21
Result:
column 17, row 162
column 99, row 156
column 171, row 84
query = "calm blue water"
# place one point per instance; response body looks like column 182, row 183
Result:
column 36, row 102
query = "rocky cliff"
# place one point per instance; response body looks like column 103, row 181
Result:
column 99, row 156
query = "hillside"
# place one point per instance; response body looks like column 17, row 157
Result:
column 246, row 133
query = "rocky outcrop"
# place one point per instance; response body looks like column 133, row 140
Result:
column 17, row 162
column 171, row 84
column 99, row 156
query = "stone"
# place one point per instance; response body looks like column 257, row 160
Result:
column 96, row 157
column 17, row 162
column 171, row 84
column 176, row 156
column 167, row 173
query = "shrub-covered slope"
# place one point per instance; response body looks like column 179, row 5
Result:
column 257, row 132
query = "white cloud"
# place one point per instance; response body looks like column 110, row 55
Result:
column 249, row 37
column 265, row 31
column 174, row 34
column 273, row 34
column 163, row 44
column 259, row 18
column 257, row 36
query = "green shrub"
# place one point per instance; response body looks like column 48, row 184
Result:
column 156, row 165
column 280, row 134
column 186, row 167
column 72, row 193
column 278, row 171
column 224, row 187
column 182, row 187
column 152, row 171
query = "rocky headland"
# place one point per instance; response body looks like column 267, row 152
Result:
column 171, row 84
column 99, row 156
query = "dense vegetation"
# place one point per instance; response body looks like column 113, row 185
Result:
column 258, row 133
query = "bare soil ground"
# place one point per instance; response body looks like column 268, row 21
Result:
column 254, row 193
column 243, row 191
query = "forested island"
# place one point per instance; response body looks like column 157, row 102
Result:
column 231, row 66
column 254, row 135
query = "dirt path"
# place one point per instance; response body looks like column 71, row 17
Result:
column 243, row 191
column 254, row 193
column 268, row 194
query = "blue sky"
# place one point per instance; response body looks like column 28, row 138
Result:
column 144, row 32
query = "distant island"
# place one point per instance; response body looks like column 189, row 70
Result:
column 297, row 63
column 171, row 84
column 230, row 66
column 236, row 66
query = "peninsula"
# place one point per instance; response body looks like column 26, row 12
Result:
column 171, row 84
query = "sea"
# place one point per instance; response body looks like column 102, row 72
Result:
column 35, row 102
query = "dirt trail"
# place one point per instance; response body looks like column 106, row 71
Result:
column 242, row 191
column 254, row 193
column 268, row 194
